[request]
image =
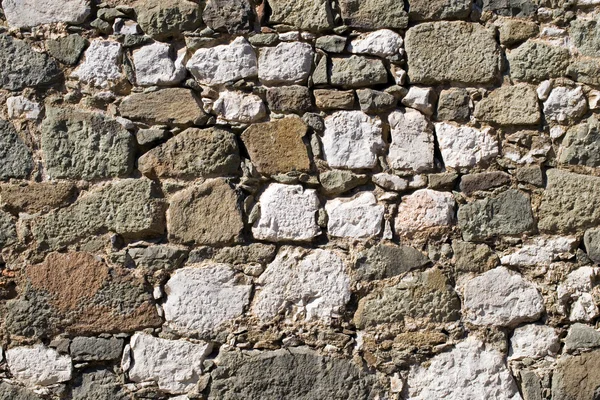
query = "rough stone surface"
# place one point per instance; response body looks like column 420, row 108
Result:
column 163, row 20
column 536, row 61
column 30, row 13
column 382, row 43
column 533, row 341
column 157, row 64
column 541, row 251
column 412, row 144
column 576, row 377
column 581, row 145
column 385, row 261
column 374, row 14
column 360, row 217
column 14, row 392
column 510, row 105
column 472, row 183
column 453, row 105
column 357, row 71
column 231, row 16
column 424, row 10
column 36, row 197
column 334, row 99
column 101, row 63
column 306, row 15
column 565, row 104
column 67, row 49
column 294, row 98
column 286, row 63
column 584, row 34
column 339, row 181
column 38, row 365
column 592, row 244
column 373, row 101
column 95, row 349
column 239, row 107
column 16, row 157
column 424, row 209
column 465, row 147
column 472, row 257
column 19, row 107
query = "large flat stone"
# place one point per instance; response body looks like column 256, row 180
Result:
column 30, row 13
column 535, row 61
column 308, row 15
column 510, row 105
column 374, row 14
column 38, row 365
column 162, row 20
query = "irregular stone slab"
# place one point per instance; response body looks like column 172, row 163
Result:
column 352, row 140
column 36, row 196
column 153, row 258
column 426, row 10
column 175, row 365
column 374, row 101
column 331, row 43
column 14, row 392
column 296, row 372
column 424, row 209
column 8, row 231
column 421, row 99
column 38, row 365
column 565, row 104
column 163, row 20
column 390, row 182
column 357, row 71
column 574, row 294
column 570, row 202
column 67, row 49
column 513, row 30
column 15, row 157
column 286, row 63
column 205, row 214
column 78, row 144
column 157, row 64
column 239, row 107
column 584, row 35
column 508, row 213
column 305, row 285
column 412, row 144
column 453, row 105
column 231, row 16
column 581, row 336
column 514, row 8
column 585, row 71
column 224, row 63
column 509, row 105
column 193, row 153
column 339, row 181
column 293, row 98
column 22, row 107
column 581, row 145
column 307, row 15
column 541, row 251
column 472, row 183
column 374, row 14
column 360, row 217
column 533, row 341
column 536, row 61
column 382, row 43
column 385, row 261
column 172, row 106
column 500, row 297
column 576, row 377
column 592, row 244
column 282, row 137
column 98, row 384
column 451, row 52
column 425, row 296
column 96, row 349
column 30, row 13
column 200, row 299
column 327, row 99
column 101, row 63
column 130, row 207
column 287, row 212
column 21, row 66
column 472, row 257
column 469, row 371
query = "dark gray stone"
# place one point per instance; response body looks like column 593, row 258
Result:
column 531, row 385
column 385, row 261
column 585, row 71
column 581, row 336
column 453, row 105
column 531, row 174
column 338, row 181
column 581, row 145
column 374, row 101
column 483, row 181
column 13, row 392
column 96, row 349
column 15, row 157
column 67, row 49
column 331, row 43
column 591, row 239
column 427, row 10
column 8, row 231
column 98, row 384
column 444, row 181
column 163, row 19
column 509, row 8
column 154, row 258
column 231, row 16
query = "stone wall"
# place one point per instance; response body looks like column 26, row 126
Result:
column 300, row 199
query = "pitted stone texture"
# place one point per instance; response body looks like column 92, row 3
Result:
column 78, row 144
column 30, row 13
column 158, row 64
column 286, row 63
column 99, row 384
column 231, row 16
column 465, row 147
column 509, row 105
column 382, row 43
column 385, row 261
column 287, row 212
column 293, row 373
column 468, row 372
column 576, row 377
column 101, row 63
column 472, row 257
column 21, row 66
column 453, row 105
column 357, row 71
column 536, row 61
column 565, row 105
column 515, row 8
column 239, row 107
column 8, row 231
column 500, row 297
column 175, row 365
column 38, row 365
column 162, row 20
column 424, row 296
column 451, row 52
column 201, row 298
column 360, row 217
column 412, row 144
column 15, row 157
column 584, row 35
column 282, row 137
column 570, row 202
column 541, row 251
column 207, row 214
column 303, row 285
column 172, row 106
column 581, row 145
column 96, row 349
column 36, row 196
column 533, row 341
column 426, row 10
column 374, row 14
column 508, row 213
column 224, row 63
column 309, row 15
column 14, row 392
column 513, row 31
column 352, row 140
column 130, row 207
column 294, row 98
column 424, row 209
column 193, row 153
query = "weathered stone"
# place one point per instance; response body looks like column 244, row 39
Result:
column 36, row 197
column 500, row 297
column 287, row 212
column 15, row 157
column 201, row 299
column 514, row 8
column 483, row 181
column 453, row 105
column 584, row 35
column 531, row 174
column 8, row 231
column 531, row 385
column 162, row 20
column 385, row 261
column 513, row 31
column 469, row 371
column 157, row 64
column 295, row 372
column 194, row 152
column 338, row 181
column 565, row 104
column 38, row 365
column 465, row 147
column 331, row 43
column 390, row 182
column 374, row 14
column 591, row 238
column 535, row 61
column 533, row 341
column 357, row 71
column 234, row 106
column 472, row 257
column 570, row 202
column 95, row 349
column 231, row 16
column 585, row 71
column 451, row 52
column 574, row 294
column 509, row 105
column 426, row 295
column 79, row 144
column 30, row 13
column 360, row 217
column 426, row 10
column 21, row 66
column 303, row 284
column 67, row 49
column 412, row 144
column 421, row 99
column 286, row 63
column 172, row 106
column 382, row 43
column 101, row 63
column 152, row 258
column 282, row 137
column 327, row 99
column 424, row 209
column 208, row 213
column 442, row 181
column 260, row 253
column 294, row 98
column 14, row 392
column 581, row 336
column 308, row 15
column 175, row 365
column 576, row 377
column 541, row 251
column 146, row 137
column 224, row 63
column 21, row 107
column 374, row 101
column 508, row 213
column 98, row 384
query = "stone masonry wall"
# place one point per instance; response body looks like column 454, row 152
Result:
column 300, row 199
